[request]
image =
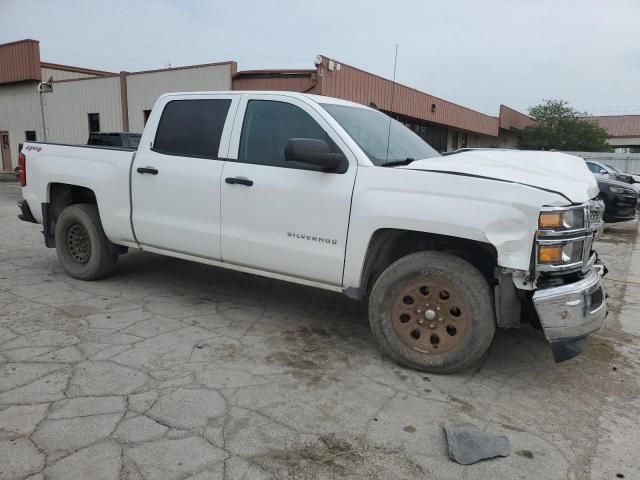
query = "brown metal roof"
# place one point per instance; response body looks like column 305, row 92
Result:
column 274, row 72
column 351, row 83
column 233, row 64
column 69, row 68
column 618, row 125
column 511, row 119
column 287, row 80
column 20, row 61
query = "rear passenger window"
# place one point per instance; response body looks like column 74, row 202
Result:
column 191, row 128
column 268, row 125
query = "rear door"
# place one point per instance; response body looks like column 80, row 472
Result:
column 5, row 148
column 277, row 216
column 176, row 174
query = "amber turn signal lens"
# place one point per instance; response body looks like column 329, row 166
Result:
column 549, row 220
column 549, row 253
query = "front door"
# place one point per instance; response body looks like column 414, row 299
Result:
column 175, row 178
column 277, row 216
column 5, row 146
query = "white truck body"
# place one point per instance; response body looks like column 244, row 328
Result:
column 308, row 226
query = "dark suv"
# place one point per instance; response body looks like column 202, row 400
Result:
column 621, row 200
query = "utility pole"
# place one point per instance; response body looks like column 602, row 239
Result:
column 44, row 87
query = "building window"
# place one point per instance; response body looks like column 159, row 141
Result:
column 30, row 135
column 465, row 139
column 145, row 116
column 454, row 141
column 94, row 122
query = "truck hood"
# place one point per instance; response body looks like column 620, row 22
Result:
column 564, row 174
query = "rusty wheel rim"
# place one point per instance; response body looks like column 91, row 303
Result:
column 429, row 315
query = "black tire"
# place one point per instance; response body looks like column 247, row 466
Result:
column 83, row 249
column 468, row 287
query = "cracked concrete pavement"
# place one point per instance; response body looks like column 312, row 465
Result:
column 171, row 369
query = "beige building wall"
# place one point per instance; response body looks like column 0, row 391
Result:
column 68, row 106
column 57, row 74
column 19, row 112
column 143, row 89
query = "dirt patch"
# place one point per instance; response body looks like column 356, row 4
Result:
column 602, row 350
column 466, row 407
column 309, row 355
column 79, row 310
column 336, row 457
column 526, row 454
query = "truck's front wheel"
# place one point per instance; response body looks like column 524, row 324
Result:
column 432, row 311
column 83, row 249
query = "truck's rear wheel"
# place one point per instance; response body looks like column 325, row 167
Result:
column 432, row 311
column 83, row 249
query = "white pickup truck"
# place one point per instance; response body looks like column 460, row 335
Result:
column 335, row 195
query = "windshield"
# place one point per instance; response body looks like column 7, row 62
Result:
column 612, row 168
column 382, row 141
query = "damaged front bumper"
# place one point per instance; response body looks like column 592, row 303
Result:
column 570, row 312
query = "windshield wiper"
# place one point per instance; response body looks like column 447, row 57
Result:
column 395, row 163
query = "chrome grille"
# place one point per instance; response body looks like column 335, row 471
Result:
column 596, row 213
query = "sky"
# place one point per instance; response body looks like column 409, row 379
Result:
column 476, row 53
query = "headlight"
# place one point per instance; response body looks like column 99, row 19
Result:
column 561, row 252
column 563, row 240
column 626, row 191
column 560, row 220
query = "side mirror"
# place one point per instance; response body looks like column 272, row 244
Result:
column 603, row 171
column 314, row 152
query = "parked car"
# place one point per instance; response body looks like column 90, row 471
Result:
column 602, row 169
column 620, row 199
column 328, row 193
column 115, row 139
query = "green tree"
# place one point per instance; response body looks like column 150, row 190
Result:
column 562, row 127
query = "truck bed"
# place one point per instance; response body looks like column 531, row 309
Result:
column 103, row 170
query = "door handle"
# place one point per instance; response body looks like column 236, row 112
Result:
column 151, row 170
column 239, row 181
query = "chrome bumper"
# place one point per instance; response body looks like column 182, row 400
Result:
column 570, row 312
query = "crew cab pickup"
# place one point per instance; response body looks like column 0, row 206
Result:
column 332, row 194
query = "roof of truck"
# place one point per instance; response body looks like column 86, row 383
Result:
column 310, row 96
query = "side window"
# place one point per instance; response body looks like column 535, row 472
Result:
column 593, row 167
column 267, row 127
column 191, row 128
column 94, row 122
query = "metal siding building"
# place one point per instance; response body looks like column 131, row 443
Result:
column 284, row 80
column 623, row 130
column 73, row 93
column 121, row 100
column 19, row 113
column 64, row 72
column 445, row 125
column 68, row 105
column 144, row 88
column 353, row 84
column 20, row 61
